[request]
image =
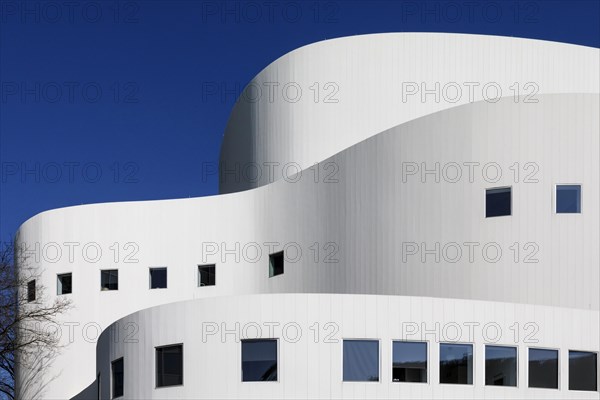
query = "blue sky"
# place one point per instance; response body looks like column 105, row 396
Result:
column 106, row 100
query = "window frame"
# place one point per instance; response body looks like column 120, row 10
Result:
column 150, row 278
column 473, row 352
column 569, row 350
column 112, row 378
column 29, row 291
column 512, row 210
column 199, row 276
column 555, row 198
column 58, row 276
column 241, row 378
column 156, row 366
column 379, row 359
column 272, row 269
column 485, row 346
column 427, row 355
column 559, row 360
column 109, row 270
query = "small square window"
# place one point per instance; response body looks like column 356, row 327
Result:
column 543, row 368
column 158, row 278
column 498, row 202
column 500, row 366
column 31, row 291
column 361, row 361
column 583, row 370
column 409, row 361
column 117, row 378
column 109, row 279
column 456, row 363
column 206, row 275
column 64, row 284
column 259, row 360
column 169, row 365
column 276, row 264
column 568, row 199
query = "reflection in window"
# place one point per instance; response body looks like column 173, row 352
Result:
column 568, row 199
column 500, row 366
column 117, row 378
column 497, row 202
column 543, row 368
column 206, row 275
column 361, row 360
column 158, row 278
column 582, row 370
column 276, row 264
column 259, row 360
column 409, row 361
column 109, row 279
column 64, row 284
column 169, row 365
column 456, row 363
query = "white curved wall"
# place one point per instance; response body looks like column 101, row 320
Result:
column 310, row 333
column 368, row 213
column 370, row 74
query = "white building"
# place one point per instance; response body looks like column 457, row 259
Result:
column 441, row 239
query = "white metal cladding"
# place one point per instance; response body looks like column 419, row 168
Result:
column 370, row 79
column 310, row 329
column 368, row 212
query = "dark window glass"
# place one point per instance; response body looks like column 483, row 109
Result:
column 31, row 290
column 109, row 279
column 456, row 363
column 568, row 199
column 543, row 368
column 158, row 278
column 117, row 378
column 500, row 366
column 497, row 202
column 276, row 264
column 409, row 362
column 259, row 360
column 206, row 275
column 64, row 284
column 361, row 360
column 582, row 370
column 98, row 388
column 169, row 365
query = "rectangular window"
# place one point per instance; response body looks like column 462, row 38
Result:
column 31, row 291
column 169, row 365
column 64, row 284
column 543, row 368
column 498, row 202
column 109, row 279
column 206, row 275
column 568, row 199
column 361, row 361
column 583, row 370
column 500, row 366
column 409, row 361
column 117, row 378
column 276, row 264
column 456, row 363
column 158, row 278
column 259, row 360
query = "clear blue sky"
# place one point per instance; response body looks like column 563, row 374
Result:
column 118, row 91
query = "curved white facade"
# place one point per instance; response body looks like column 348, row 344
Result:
column 358, row 229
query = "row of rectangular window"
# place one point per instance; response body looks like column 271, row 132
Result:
column 109, row 278
column 409, row 364
column 498, row 201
